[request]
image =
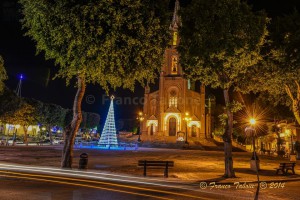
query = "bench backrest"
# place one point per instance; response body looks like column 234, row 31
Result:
column 155, row 163
column 287, row 164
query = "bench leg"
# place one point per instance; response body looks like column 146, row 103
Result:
column 293, row 171
column 145, row 168
column 166, row 170
column 282, row 170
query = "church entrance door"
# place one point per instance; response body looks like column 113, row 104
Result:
column 151, row 129
column 172, row 127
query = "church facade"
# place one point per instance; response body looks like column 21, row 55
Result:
column 175, row 109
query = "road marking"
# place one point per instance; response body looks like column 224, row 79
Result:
column 63, row 172
column 104, row 183
column 84, row 185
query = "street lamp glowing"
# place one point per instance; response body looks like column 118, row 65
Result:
column 17, row 126
column 252, row 121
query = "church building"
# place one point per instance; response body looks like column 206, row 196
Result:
column 176, row 109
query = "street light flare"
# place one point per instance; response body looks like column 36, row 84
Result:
column 252, row 121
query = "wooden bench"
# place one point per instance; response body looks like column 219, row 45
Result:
column 156, row 164
column 285, row 167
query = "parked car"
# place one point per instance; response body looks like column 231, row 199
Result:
column 58, row 141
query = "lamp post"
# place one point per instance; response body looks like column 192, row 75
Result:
column 186, row 119
column 140, row 118
column 252, row 131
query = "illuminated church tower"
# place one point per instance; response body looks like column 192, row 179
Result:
column 166, row 108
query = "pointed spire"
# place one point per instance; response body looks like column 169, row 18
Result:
column 175, row 20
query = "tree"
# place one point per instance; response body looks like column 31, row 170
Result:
column 220, row 41
column 3, row 75
column 24, row 115
column 277, row 78
column 89, row 121
column 52, row 115
column 111, row 43
column 282, row 67
column 9, row 102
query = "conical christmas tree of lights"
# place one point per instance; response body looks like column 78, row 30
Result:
column 109, row 134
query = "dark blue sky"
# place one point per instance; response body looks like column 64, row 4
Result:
column 20, row 57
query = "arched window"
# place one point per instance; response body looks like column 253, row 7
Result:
column 173, row 99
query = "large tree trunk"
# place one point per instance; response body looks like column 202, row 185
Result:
column 295, row 100
column 71, row 130
column 229, row 172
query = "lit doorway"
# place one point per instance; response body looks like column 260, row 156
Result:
column 172, row 127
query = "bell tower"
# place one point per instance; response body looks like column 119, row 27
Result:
column 171, row 61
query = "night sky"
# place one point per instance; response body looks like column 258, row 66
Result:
column 20, row 58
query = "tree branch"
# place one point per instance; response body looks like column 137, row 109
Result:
column 288, row 91
column 298, row 90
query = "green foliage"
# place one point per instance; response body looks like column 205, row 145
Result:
column 52, row 115
column 23, row 115
column 281, row 65
column 9, row 102
column 223, row 119
column 112, row 43
column 235, row 106
column 220, row 41
column 3, row 75
column 93, row 120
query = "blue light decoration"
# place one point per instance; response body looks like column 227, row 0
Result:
column 19, row 86
column 109, row 134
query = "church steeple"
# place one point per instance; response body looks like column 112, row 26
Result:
column 172, row 66
column 175, row 20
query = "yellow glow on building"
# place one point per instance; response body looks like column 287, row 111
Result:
column 177, row 116
column 175, row 36
column 194, row 123
column 150, row 122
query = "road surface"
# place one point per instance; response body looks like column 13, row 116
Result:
column 29, row 182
